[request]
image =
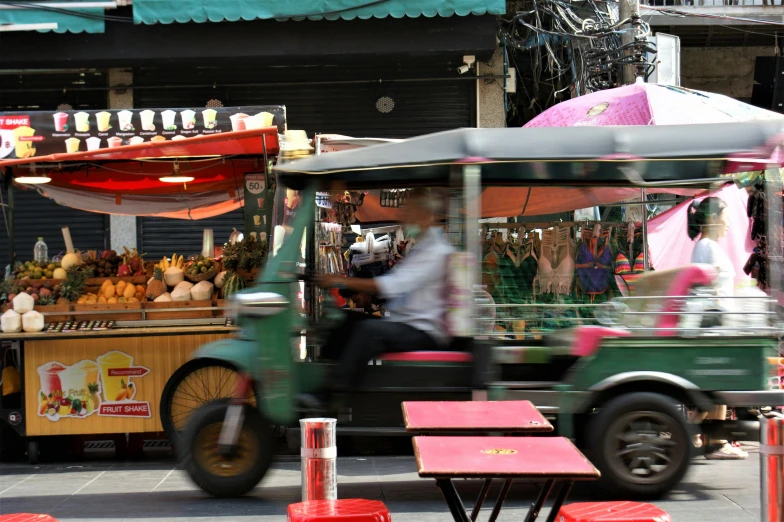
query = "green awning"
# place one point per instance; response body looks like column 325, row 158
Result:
column 71, row 19
column 170, row 11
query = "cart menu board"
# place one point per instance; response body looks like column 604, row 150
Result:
column 40, row 133
column 259, row 200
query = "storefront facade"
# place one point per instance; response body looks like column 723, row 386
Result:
column 333, row 76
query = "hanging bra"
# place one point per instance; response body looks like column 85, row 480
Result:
column 594, row 269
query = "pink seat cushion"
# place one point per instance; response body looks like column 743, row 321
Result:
column 452, row 357
column 589, row 338
column 26, row 517
column 346, row 510
column 612, row 512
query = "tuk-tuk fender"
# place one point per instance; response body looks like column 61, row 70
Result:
column 691, row 390
column 235, row 351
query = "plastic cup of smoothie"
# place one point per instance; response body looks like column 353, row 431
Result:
column 93, row 143
column 125, row 118
column 238, row 121
column 147, row 120
column 188, row 119
column 266, row 118
column 168, row 120
column 103, row 118
column 210, row 118
column 136, row 140
column 114, row 141
column 74, row 382
column 82, row 120
column 72, row 145
column 49, row 374
column 60, row 121
column 90, row 369
column 113, row 384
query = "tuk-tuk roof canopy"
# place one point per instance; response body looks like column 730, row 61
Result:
column 577, row 156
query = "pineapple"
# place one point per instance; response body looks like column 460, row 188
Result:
column 74, row 282
column 94, row 401
column 46, row 300
column 156, row 287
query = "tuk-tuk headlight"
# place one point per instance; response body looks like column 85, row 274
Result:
column 257, row 304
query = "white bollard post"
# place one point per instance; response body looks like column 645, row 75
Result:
column 772, row 468
column 318, row 455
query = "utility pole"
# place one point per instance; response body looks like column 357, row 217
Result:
column 629, row 10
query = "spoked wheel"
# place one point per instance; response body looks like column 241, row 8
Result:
column 230, row 474
column 193, row 385
column 641, row 444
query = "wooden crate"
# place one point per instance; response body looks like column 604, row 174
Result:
column 104, row 312
column 220, row 311
column 160, row 310
column 55, row 313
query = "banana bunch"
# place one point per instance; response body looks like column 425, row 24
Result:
column 176, row 262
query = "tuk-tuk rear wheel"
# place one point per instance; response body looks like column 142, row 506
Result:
column 193, row 385
column 641, row 444
column 223, row 475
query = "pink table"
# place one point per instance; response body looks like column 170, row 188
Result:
column 546, row 459
column 474, row 416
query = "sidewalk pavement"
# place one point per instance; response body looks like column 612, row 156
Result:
column 153, row 491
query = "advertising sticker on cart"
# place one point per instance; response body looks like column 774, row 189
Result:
column 106, row 387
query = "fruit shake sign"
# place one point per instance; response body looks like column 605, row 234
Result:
column 41, row 133
column 105, row 387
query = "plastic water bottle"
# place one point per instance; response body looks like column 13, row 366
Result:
column 41, row 251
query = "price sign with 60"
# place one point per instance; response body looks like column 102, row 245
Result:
column 255, row 184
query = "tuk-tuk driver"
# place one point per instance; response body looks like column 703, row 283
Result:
column 415, row 290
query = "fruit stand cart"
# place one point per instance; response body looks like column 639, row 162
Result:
column 94, row 336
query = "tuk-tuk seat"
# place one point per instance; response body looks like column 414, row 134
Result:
column 589, row 338
column 428, row 357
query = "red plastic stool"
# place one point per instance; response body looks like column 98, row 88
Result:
column 348, row 510
column 26, row 517
column 612, row 512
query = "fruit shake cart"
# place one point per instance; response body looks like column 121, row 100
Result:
column 105, row 379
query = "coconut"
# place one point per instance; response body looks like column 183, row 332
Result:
column 202, row 291
column 185, row 285
column 33, row 321
column 163, row 298
column 219, row 279
column 181, row 294
column 11, row 322
column 173, row 276
column 23, row 303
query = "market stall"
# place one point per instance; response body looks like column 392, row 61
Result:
column 94, row 336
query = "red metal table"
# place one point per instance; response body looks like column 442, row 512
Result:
column 547, row 459
column 474, row 417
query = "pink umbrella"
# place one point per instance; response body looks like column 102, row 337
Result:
column 649, row 104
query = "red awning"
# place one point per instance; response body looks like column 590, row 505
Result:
column 120, row 180
column 239, row 143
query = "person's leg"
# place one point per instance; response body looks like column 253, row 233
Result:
column 336, row 340
column 371, row 339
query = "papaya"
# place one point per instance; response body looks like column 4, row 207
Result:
column 109, row 291
column 129, row 291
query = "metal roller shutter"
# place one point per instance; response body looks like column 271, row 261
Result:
column 411, row 106
column 164, row 237
column 35, row 215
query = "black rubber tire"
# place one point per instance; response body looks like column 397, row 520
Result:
column 601, row 434
column 171, row 387
column 234, row 486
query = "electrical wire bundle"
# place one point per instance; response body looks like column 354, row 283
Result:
column 565, row 49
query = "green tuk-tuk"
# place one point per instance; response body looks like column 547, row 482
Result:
column 626, row 391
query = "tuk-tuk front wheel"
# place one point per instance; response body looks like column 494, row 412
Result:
column 641, row 444
column 226, row 474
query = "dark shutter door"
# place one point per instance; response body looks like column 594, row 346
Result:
column 381, row 110
column 35, row 215
column 164, row 237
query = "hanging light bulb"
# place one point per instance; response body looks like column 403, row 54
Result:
column 176, row 177
column 33, row 178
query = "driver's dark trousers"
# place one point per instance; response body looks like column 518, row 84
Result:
column 362, row 338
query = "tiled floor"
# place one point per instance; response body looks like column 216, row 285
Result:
column 152, row 491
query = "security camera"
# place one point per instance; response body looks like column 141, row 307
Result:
column 468, row 62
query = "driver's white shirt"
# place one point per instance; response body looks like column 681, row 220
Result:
column 416, row 287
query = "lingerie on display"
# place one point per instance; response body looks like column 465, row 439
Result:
column 555, row 273
column 594, row 261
